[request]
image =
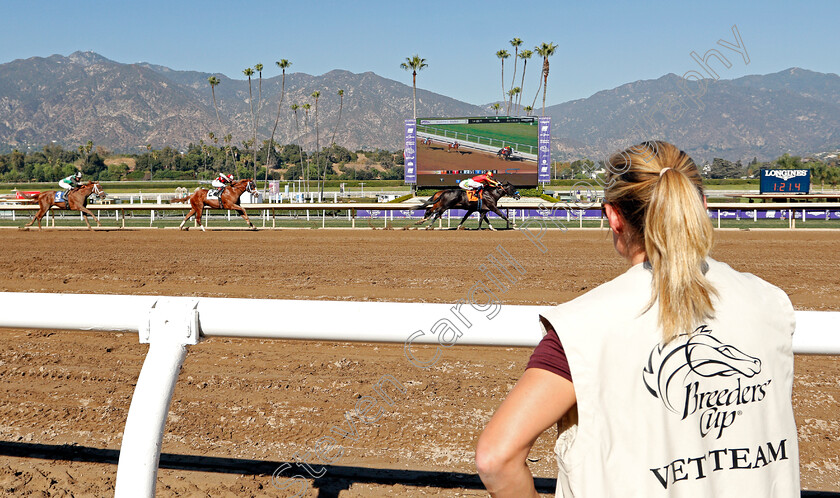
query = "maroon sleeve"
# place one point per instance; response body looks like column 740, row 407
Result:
column 549, row 354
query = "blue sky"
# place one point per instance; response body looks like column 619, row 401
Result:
column 600, row 45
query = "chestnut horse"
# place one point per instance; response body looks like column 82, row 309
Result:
column 229, row 200
column 76, row 201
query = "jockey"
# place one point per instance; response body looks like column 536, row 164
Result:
column 71, row 182
column 478, row 182
column 484, row 180
column 220, row 182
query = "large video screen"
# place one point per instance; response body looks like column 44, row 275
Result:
column 785, row 181
column 448, row 150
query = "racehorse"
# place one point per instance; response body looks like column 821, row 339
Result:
column 76, row 200
column 505, row 153
column 453, row 147
column 456, row 198
column 229, row 200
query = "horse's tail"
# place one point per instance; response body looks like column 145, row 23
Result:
column 431, row 200
column 28, row 196
column 179, row 199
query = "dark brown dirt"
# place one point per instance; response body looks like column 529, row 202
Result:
column 242, row 407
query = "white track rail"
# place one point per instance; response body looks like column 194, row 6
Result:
column 170, row 324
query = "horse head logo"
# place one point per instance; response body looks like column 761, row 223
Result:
column 669, row 369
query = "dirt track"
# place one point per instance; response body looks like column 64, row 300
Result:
column 242, row 407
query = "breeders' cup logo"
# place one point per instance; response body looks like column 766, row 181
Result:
column 785, row 174
column 706, row 377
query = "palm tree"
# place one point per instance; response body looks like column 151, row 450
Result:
column 322, row 175
column 295, row 108
column 524, row 55
column 528, row 110
column 513, row 92
column 515, row 43
column 414, row 63
column 546, row 50
column 148, row 151
column 227, row 139
column 503, row 54
column 306, row 108
column 249, row 72
column 340, row 106
column 510, row 94
column 214, row 81
column 282, row 64
column 496, row 107
column 258, row 67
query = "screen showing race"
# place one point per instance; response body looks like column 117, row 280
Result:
column 449, row 150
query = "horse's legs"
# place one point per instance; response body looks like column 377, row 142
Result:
column 34, row 218
column 461, row 225
column 198, row 212
column 502, row 215
column 187, row 217
column 435, row 216
column 426, row 216
column 42, row 210
column 485, row 218
column 85, row 211
column 244, row 215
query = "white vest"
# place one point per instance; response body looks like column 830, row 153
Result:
column 707, row 415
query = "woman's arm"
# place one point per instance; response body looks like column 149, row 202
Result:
column 537, row 402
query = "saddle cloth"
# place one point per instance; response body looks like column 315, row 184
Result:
column 211, row 194
column 472, row 195
column 60, row 196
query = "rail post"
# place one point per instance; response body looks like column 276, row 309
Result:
column 172, row 325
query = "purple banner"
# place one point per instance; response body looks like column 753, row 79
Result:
column 410, row 152
column 544, row 155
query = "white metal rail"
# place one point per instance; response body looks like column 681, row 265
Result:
column 170, row 324
column 792, row 210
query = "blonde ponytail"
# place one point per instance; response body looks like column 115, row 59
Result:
column 658, row 191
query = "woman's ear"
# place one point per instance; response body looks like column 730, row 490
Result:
column 614, row 218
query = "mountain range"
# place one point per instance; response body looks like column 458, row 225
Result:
column 85, row 96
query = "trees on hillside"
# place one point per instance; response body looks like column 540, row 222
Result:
column 721, row 168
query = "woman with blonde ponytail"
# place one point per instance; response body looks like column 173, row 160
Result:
column 673, row 379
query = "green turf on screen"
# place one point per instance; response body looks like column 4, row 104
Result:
column 521, row 133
